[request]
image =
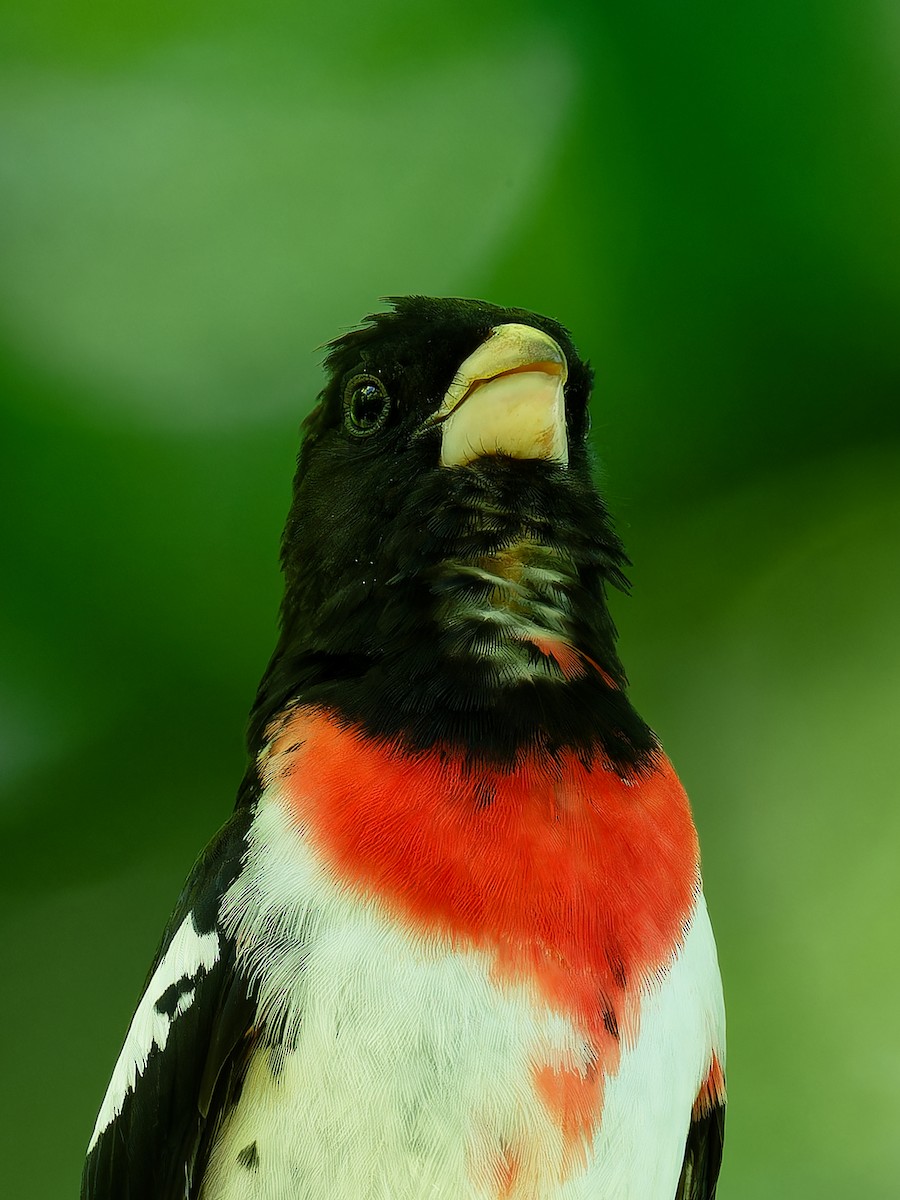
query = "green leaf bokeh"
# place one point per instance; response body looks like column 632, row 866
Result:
column 193, row 198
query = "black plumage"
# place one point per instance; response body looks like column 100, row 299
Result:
column 153, row 1149
column 702, row 1156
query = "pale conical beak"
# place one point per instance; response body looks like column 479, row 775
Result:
column 506, row 398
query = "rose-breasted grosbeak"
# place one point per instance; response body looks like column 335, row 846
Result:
column 452, row 944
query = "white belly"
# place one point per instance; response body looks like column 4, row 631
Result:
column 409, row 1069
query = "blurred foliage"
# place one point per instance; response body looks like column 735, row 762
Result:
column 193, row 197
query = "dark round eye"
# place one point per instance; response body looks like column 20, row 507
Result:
column 366, row 404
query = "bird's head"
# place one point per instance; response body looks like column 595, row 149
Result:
column 446, row 554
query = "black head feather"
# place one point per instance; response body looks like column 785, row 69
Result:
column 384, row 554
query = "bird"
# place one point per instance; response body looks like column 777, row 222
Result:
column 452, row 942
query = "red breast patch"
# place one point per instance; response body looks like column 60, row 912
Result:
column 573, row 879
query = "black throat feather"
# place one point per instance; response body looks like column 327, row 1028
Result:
column 415, row 644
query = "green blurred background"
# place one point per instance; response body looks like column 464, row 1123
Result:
column 195, row 197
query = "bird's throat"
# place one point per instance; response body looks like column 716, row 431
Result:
column 511, row 609
column 478, row 621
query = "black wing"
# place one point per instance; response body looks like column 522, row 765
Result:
column 702, row 1156
column 183, row 1049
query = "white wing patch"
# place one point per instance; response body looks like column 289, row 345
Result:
column 189, row 952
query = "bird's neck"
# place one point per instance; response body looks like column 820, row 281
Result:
column 478, row 624
column 491, row 656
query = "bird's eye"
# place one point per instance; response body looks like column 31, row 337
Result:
column 366, row 404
